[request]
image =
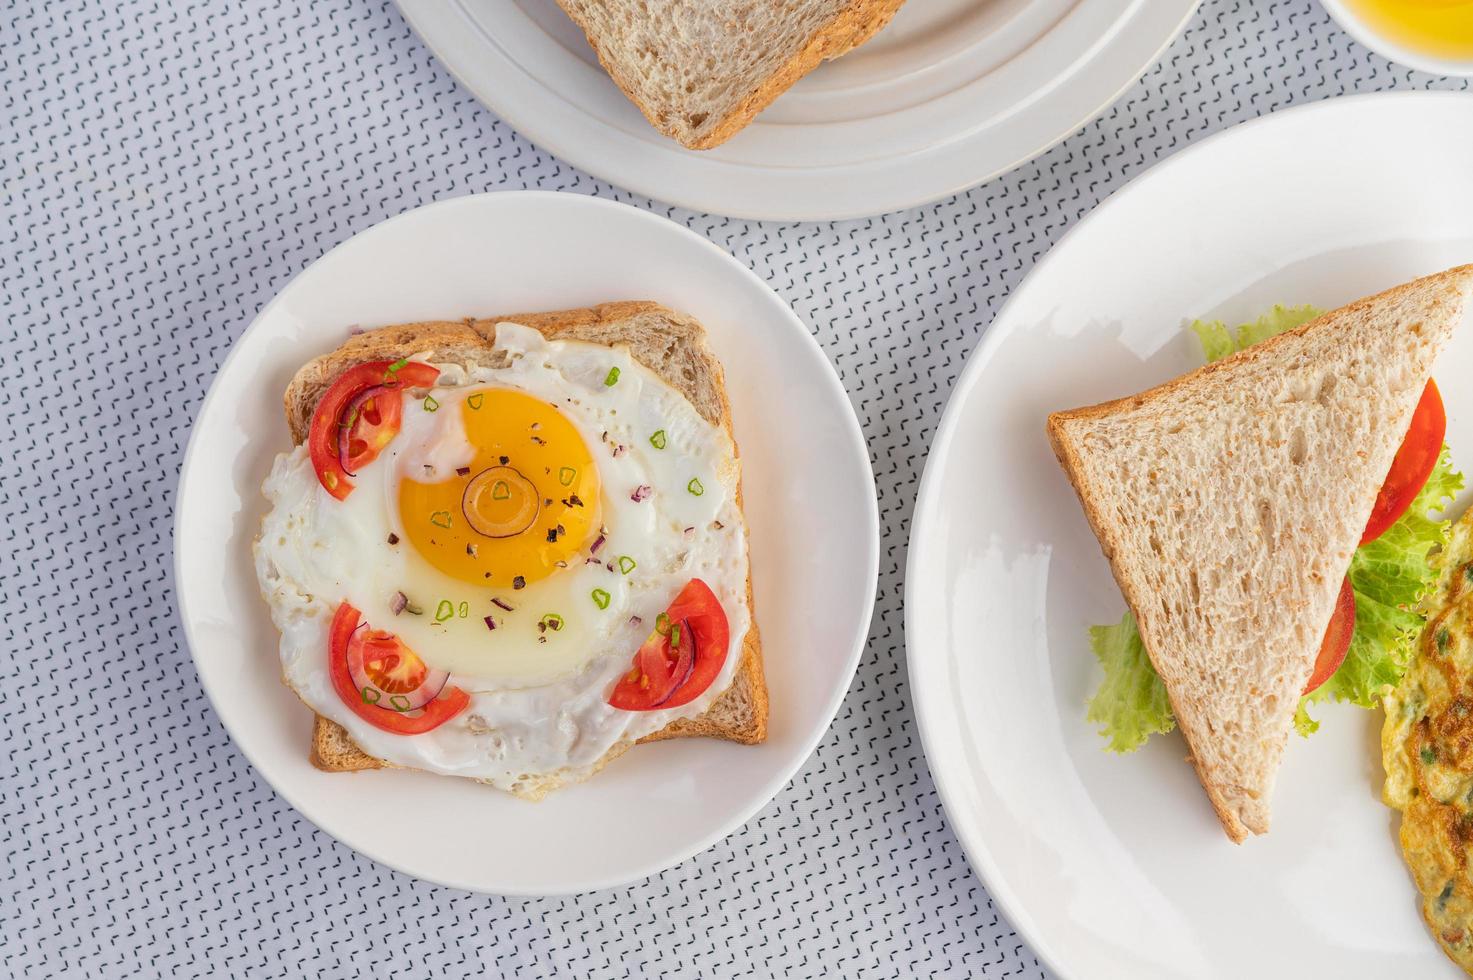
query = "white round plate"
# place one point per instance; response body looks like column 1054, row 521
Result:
column 806, row 472
column 1114, row 866
column 951, row 93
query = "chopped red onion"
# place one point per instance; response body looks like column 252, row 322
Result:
column 641, row 492
column 490, row 623
column 597, row 544
column 398, row 603
column 501, row 604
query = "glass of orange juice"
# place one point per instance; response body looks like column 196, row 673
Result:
column 1429, row 35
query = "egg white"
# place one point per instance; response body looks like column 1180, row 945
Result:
column 538, row 697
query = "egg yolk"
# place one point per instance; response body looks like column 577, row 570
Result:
column 525, row 506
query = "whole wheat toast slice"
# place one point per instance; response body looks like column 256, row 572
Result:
column 700, row 70
column 1229, row 503
column 670, row 344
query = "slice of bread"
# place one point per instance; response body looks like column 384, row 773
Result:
column 670, row 344
column 1229, row 502
column 699, row 70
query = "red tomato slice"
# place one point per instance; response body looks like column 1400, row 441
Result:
column 678, row 662
column 1413, row 464
column 451, row 702
column 389, row 665
column 332, row 456
column 1337, row 637
column 371, row 426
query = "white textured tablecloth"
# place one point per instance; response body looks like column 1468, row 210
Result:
column 164, row 169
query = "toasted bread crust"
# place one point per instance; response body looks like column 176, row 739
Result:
column 668, row 343
column 857, row 23
column 1448, row 286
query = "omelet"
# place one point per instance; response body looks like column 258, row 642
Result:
column 1427, row 749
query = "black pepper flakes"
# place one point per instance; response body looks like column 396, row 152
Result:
column 393, row 538
column 519, row 582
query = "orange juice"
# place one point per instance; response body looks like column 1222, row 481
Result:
column 1441, row 28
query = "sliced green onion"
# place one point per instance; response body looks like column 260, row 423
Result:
column 694, row 487
column 658, row 439
column 565, row 475
column 399, row 702
column 444, row 611
column 474, row 401
column 675, row 636
column 612, row 378
column 464, row 610
column 371, row 696
column 430, row 403
column 626, row 564
column 662, row 624
column 398, row 365
column 500, row 490
column 440, row 518
column 601, row 598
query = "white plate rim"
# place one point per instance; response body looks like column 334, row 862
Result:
column 592, row 159
column 780, row 777
column 980, row 852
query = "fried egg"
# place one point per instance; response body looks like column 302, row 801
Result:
column 1427, row 749
column 523, row 531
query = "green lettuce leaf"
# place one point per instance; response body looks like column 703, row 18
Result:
column 1131, row 704
column 1390, row 577
column 1218, row 341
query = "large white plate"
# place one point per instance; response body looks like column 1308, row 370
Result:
column 1115, row 866
column 951, row 93
column 806, row 473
